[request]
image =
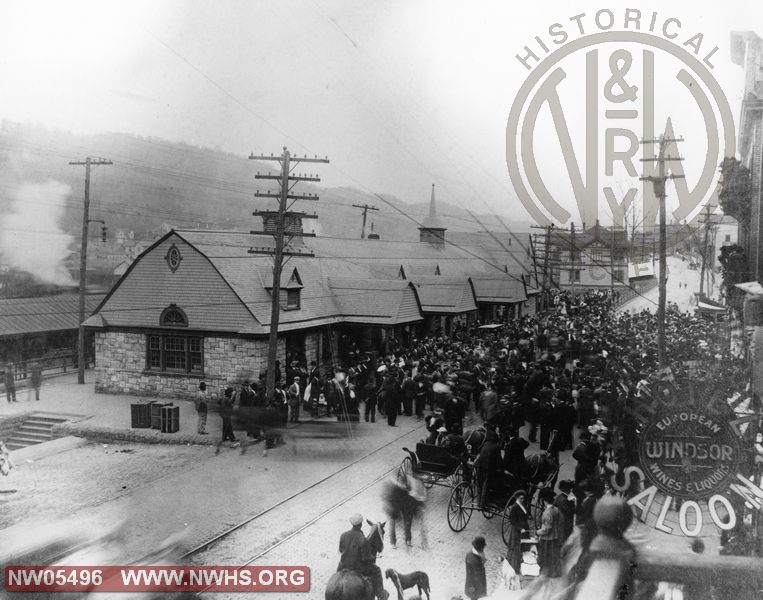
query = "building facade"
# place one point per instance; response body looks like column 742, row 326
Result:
column 747, row 52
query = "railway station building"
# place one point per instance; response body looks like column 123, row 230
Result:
column 197, row 304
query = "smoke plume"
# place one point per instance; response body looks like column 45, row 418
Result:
column 31, row 238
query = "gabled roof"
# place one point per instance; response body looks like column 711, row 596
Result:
column 446, row 295
column 382, row 302
column 20, row 316
column 498, row 290
column 339, row 280
column 598, row 234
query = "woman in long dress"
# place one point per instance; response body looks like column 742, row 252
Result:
column 517, row 525
column 550, row 536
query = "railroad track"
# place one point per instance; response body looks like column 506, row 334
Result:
column 222, row 535
column 209, row 544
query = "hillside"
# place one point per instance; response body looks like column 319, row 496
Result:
column 154, row 182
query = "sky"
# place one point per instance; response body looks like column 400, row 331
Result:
column 398, row 94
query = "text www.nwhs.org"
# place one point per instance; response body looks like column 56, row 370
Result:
column 157, row 579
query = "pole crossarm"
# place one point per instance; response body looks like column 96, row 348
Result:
column 286, row 182
column 288, row 196
column 365, row 208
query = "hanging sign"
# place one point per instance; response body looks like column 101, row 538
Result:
column 690, row 453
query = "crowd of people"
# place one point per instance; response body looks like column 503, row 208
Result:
column 570, row 374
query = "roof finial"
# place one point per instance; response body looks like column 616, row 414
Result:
column 432, row 208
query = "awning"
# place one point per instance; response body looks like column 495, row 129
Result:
column 751, row 287
column 491, row 326
column 710, row 307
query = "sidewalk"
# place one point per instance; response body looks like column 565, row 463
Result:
column 104, row 417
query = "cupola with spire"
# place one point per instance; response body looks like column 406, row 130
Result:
column 432, row 230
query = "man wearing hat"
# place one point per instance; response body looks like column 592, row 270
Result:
column 565, row 502
column 294, row 395
column 356, row 556
column 226, row 412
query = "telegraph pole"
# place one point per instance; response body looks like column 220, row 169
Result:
column 704, row 250
column 87, row 163
column 365, row 208
column 612, row 264
column 659, row 192
column 286, row 160
column 572, row 257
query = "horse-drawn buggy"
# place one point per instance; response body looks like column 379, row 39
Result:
column 468, row 495
column 434, row 465
column 446, row 463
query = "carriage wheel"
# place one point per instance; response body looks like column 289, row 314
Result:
column 505, row 524
column 457, row 476
column 406, row 468
column 460, row 506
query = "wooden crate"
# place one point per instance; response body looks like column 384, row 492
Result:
column 156, row 413
column 170, row 419
column 140, row 415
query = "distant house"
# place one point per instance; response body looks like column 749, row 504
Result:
column 588, row 259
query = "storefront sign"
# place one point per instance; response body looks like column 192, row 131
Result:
column 689, row 453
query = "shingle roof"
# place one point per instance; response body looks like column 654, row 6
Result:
column 445, row 295
column 498, row 290
column 383, row 302
column 341, row 280
column 20, row 316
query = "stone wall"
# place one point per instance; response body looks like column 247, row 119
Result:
column 121, row 361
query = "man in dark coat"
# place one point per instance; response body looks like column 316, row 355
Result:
column 488, row 464
column 357, row 556
column 421, row 395
column 226, row 413
column 514, row 457
column 454, row 415
column 390, row 400
column 566, row 506
column 409, row 393
column 476, row 581
column 587, row 455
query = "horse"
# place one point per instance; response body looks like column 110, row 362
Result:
column 474, row 440
column 351, row 585
column 542, row 470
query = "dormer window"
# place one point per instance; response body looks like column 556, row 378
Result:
column 292, row 299
column 291, row 292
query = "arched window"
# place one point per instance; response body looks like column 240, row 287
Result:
column 173, row 316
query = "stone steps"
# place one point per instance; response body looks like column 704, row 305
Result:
column 37, row 429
